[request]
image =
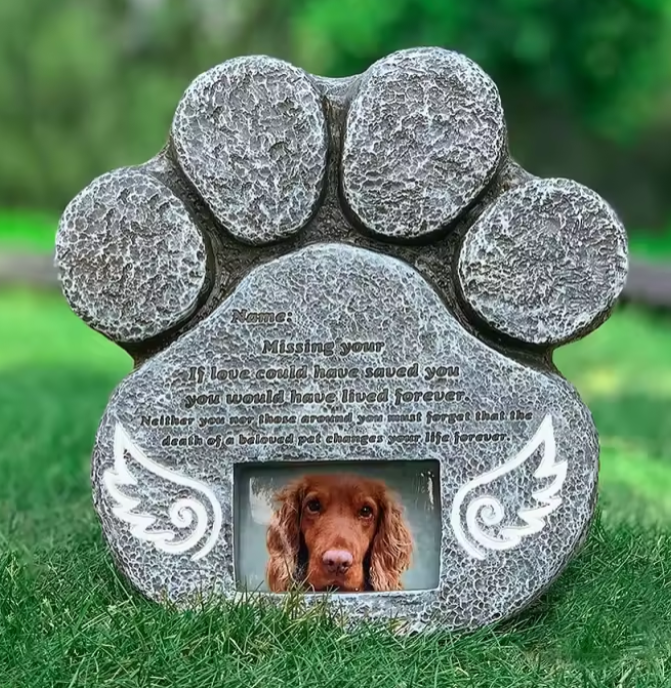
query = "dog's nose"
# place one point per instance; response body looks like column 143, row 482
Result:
column 337, row 560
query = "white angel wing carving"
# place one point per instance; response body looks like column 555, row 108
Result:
column 188, row 513
column 487, row 511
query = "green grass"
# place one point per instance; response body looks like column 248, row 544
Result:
column 68, row 619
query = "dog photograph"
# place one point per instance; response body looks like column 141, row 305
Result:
column 338, row 533
column 338, row 529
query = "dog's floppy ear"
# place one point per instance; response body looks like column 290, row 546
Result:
column 283, row 538
column 391, row 551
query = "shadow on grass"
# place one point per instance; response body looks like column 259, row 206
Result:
column 613, row 599
column 48, row 421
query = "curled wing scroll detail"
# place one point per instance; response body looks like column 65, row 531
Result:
column 475, row 516
column 186, row 514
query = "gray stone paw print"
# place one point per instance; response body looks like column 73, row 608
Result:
column 350, row 270
column 409, row 159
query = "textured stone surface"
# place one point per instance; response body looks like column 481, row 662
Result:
column 424, row 134
column 132, row 263
column 546, row 261
column 394, row 307
column 251, row 136
column 247, row 232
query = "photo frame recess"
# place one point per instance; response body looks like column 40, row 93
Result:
column 346, row 275
column 329, row 526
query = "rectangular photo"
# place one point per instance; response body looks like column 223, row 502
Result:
column 337, row 527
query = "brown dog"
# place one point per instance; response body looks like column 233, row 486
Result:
column 337, row 532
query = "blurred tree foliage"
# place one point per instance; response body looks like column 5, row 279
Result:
column 89, row 85
column 608, row 59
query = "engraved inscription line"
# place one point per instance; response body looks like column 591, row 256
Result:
column 296, row 402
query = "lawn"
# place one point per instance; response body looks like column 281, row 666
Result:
column 68, row 619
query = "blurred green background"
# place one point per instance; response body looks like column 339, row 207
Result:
column 90, row 85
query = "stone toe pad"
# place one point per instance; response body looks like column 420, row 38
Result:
column 547, row 260
column 132, row 263
column 424, row 134
column 251, row 137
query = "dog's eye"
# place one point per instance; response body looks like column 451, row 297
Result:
column 313, row 506
column 366, row 512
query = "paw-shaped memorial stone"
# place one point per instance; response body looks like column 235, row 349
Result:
column 329, row 276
